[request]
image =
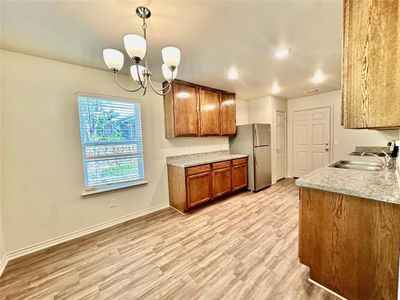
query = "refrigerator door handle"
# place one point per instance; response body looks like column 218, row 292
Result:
column 255, row 135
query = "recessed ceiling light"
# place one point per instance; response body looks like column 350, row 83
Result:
column 281, row 53
column 275, row 88
column 318, row 77
column 233, row 74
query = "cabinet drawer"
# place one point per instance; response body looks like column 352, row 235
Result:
column 221, row 164
column 239, row 161
column 198, row 169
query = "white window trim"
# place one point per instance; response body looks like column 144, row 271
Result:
column 115, row 186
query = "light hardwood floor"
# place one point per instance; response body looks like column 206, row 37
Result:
column 244, row 247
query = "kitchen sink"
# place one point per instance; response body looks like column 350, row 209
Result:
column 357, row 165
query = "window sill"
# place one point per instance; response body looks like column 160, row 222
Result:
column 113, row 188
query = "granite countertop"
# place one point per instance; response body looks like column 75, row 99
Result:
column 376, row 185
column 191, row 160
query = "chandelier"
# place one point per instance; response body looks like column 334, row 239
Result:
column 135, row 46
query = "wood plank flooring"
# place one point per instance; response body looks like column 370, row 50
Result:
column 243, row 247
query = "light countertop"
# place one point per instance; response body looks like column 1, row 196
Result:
column 191, row 160
column 376, row 185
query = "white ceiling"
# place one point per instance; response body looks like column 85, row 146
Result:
column 213, row 36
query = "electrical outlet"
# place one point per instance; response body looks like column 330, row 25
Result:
column 113, row 203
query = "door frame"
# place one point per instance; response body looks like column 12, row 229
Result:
column 331, row 132
column 286, row 142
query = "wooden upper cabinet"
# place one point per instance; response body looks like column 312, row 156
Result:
column 371, row 64
column 228, row 113
column 185, row 110
column 181, row 111
column 209, row 112
column 194, row 110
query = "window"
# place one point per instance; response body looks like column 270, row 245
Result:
column 111, row 137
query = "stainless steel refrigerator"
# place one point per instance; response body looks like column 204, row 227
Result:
column 255, row 141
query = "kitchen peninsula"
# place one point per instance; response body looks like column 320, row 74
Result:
column 349, row 230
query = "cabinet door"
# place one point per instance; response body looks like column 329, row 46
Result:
column 209, row 112
column 371, row 64
column 198, row 188
column 221, row 181
column 228, row 114
column 239, row 177
column 185, row 110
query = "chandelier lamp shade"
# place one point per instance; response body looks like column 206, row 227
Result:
column 135, row 46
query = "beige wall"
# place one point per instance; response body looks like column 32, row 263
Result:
column 42, row 176
column 344, row 140
column 242, row 112
column 259, row 110
column 263, row 110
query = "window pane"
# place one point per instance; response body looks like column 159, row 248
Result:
column 113, row 170
column 111, row 137
column 106, row 121
column 110, row 150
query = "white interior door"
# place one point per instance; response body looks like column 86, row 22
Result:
column 280, row 145
column 311, row 140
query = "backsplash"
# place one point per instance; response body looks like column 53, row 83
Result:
column 197, row 155
column 372, row 149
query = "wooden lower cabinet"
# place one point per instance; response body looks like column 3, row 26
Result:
column 198, row 188
column 192, row 186
column 221, row 181
column 350, row 244
column 239, row 176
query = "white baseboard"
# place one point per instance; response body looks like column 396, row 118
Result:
column 73, row 235
column 326, row 289
column 3, row 263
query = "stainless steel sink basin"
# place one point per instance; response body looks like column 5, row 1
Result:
column 357, row 165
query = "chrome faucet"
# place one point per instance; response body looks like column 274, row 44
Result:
column 386, row 162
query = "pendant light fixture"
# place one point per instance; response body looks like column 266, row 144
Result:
column 135, row 46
